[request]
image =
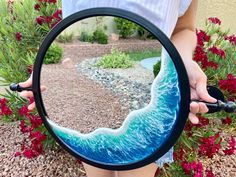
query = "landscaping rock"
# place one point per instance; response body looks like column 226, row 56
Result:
column 114, row 37
column 68, row 63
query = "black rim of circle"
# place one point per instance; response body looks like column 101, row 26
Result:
column 166, row 43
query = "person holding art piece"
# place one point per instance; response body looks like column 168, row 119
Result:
column 176, row 18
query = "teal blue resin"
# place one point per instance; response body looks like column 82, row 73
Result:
column 143, row 131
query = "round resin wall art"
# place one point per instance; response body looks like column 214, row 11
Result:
column 127, row 136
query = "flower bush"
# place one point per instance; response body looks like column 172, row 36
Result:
column 23, row 26
column 215, row 53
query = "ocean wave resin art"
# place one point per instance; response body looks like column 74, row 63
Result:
column 142, row 132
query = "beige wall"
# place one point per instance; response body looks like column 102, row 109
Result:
column 223, row 9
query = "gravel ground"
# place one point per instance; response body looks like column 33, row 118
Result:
column 75, row 101
column 222, row 165
column 132, row 87
column 51, row 163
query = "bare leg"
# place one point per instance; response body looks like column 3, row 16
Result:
column 92, row 171
column 146, row 171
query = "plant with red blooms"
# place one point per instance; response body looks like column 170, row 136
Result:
column 5, row 110
column 32, row 125
column 48, row 14
column 194, row 169
column 210, row 145
column 228, row 84
column 18, row 36
column 215, row 20
column 227, row 121
column 22, row 37
column 231, row 39
column 215, row 50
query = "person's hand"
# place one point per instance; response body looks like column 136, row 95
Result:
column 29, row 94
column 198, row 86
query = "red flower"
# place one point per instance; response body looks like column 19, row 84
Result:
column 209, row 173
column 24, row 128
column 40, row 20
column 18, row 36
column 229, row 84
column 232, row 39
column 36, row 143
column 28, row 153
column 209, row 147
column 5, row 110
column 212, row 64
column 186, row 167
column 179, row 155
column 227, row 121
column 202, row 37
column 192, row 168
column 215, row 20
column 31, row 100
column 37, row 146
column 53, row 1
column 37, row 7
column 218, row 51
column 23, row 111
column 3, row 101
column 30, row 69
column 48, row 19
column 201, row 56
column 202, row 122
column 231, row 147
column 57, row 14
column 37, row 136
column 35, row 121
column 17, row 154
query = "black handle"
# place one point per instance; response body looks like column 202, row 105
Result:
column 17, row 88
column 220, row 105
column 229, row 106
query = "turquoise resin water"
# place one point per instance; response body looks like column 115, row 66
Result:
column 142, row 132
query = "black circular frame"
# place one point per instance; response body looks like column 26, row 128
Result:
column 166, row 43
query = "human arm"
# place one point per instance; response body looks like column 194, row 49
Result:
column 184, row 38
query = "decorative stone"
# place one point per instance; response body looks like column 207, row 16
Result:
column 68, row 63
column 114, row 37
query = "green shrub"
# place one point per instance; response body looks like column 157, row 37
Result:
column 100, row 36
column 54, row 54
column 86, row 37
column 125, row 27
column 116, row 59
column 156, row 68
column 65, row 38
column 142, row 54
column 144, row 34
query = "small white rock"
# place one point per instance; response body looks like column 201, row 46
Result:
column 68, row 63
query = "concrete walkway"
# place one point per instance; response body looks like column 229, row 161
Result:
column 149, row 62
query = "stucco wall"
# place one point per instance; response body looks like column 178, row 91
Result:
column 223, row 9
